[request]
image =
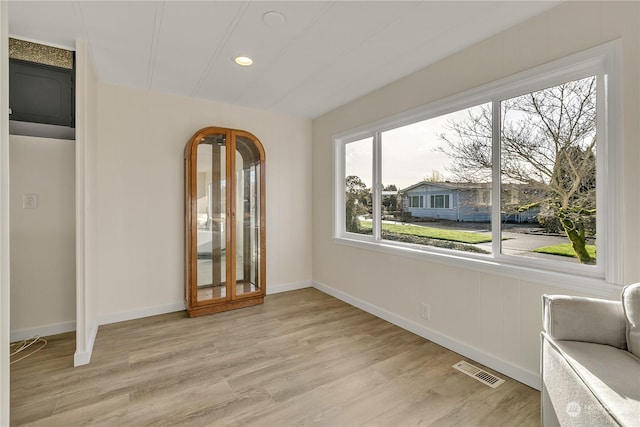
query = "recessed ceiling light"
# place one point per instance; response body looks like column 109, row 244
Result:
column 245, row 61
column 273, row 19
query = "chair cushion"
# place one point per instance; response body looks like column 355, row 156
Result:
column 584, row 319
column 612, row 375
column 631, row 306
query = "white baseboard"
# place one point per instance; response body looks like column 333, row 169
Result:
column 170, row 308
column 138, row 314
column 285, row 287
column 84, row 357
column 43, row 331
column 532, row 379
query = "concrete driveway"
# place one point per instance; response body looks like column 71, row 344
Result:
column 523, row 244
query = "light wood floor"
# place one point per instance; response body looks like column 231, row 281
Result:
column 302, row 358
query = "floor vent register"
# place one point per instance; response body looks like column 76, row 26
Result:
column 483, row 376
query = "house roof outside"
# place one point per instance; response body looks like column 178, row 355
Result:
column 447, row 185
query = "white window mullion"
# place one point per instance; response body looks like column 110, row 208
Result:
column 601, row 173
column 496, row 217
column 376, row 187
column 339, row 189
column 609, row 125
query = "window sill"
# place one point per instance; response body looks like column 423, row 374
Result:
column 487, row 264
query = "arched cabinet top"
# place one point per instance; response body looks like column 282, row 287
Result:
column 192, row 146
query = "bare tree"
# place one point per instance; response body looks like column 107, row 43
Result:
column 436, row 176
column 548, row 141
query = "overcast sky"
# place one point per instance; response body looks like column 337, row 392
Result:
column 409, row 154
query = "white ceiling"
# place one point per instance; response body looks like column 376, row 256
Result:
column 326, row 54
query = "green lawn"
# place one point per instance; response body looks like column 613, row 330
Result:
column 433, row 233
column 565, row 249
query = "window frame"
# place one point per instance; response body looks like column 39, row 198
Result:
column 446, row 197
column 602, row 61
column 420, row 198
column 484, row 197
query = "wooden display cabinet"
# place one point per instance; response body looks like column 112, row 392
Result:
column 224, row 221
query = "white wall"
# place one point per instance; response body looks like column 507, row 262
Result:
column 495, row 319
column 140, row 190
column 43, row 239
column 4, row 214
column 85, row 193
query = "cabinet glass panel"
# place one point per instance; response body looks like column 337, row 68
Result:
column 211, row 207
column 247, row 177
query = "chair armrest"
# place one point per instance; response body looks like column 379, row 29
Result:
column 584, row 319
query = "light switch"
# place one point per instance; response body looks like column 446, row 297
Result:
column 30, row 201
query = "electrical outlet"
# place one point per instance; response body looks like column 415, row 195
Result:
column 425, row 311
column 30, row 201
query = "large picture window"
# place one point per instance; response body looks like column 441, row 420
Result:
column 513, row 171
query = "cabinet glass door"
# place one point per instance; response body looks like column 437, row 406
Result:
column 211, row 206
column 247, row 209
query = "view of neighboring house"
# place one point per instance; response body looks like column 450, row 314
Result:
column 468, row 201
